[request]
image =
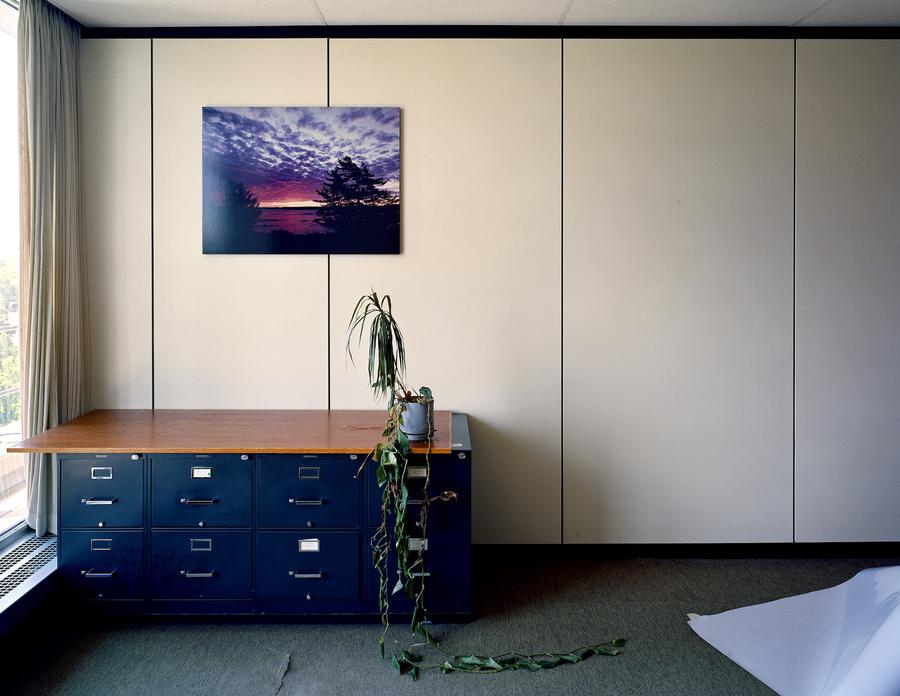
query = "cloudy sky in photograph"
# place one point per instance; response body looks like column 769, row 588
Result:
column 283, row 153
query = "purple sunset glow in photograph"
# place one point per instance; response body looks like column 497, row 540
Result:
column 301, row 180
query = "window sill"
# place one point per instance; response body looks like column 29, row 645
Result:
column 13, row 535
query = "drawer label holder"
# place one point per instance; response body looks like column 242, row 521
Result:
column 308, row 545
column 201, row 544
column 101, row 544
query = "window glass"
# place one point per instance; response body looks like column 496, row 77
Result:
column 12, row 466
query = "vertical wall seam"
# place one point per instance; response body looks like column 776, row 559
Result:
column 562, row 409
column 794, row 322
column 152, row 248
column 328, row 261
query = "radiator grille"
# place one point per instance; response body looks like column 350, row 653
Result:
column 20, row 551
column 23, row 560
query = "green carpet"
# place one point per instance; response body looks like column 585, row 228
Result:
column 522, row 604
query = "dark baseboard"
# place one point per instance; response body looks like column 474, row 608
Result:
column 886, row 549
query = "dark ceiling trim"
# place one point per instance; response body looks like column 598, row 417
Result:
column 491, row 32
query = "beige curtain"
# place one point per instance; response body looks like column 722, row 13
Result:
column 54, row 381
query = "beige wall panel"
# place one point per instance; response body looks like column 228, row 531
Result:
column 477, row 287
column 232, row 331
column 848, row 290
column 678, row 291
column 116, row 137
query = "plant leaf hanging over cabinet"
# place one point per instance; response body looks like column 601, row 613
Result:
column 410, row 417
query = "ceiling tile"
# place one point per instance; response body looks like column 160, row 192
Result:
column 443, row 12
column 690, row 12
column 190, row 13
column 876, row 13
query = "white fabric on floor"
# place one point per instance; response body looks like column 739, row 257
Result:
column 842, row 641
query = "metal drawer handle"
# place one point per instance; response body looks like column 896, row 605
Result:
column 305, row 576
column 98, row 501
column 299, row 501
column 98, row 573
column 415, row 501
column 199, row 501
column 419, row 472
column 423, row 574
column 198, row 573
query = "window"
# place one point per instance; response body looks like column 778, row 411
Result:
column 12, row 466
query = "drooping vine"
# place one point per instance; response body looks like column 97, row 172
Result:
column 391, row 456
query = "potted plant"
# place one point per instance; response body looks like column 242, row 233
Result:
column 410, row 417
column 418, row 415
column 387, row 365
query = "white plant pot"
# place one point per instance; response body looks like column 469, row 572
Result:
column 418, row 421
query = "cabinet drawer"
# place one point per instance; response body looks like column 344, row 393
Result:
column 102, row 564
column 447, row 474
column 201, row 492
column 309, row 491
column 298, row 565
column 446, row 566
column 101, row 493
column 200, row 565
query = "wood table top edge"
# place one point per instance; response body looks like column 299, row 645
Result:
column 218, row 431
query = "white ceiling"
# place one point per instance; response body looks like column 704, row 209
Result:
column 169, row 13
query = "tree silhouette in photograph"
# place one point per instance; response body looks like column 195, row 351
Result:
column 241, row 206
column 352, row 199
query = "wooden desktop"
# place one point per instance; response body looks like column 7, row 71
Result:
column 245, row 512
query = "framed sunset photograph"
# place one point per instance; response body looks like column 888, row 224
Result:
column 301, row 180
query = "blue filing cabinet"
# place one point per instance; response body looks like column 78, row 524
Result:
column 252, row 534
column 201, row 490
column 446, row 547
column 101, row 521
column 195, row 564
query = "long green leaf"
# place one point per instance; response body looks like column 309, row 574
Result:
column 510, row 661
